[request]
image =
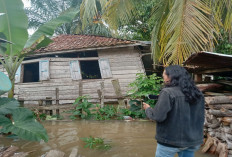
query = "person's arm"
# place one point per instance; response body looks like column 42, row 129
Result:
column 161, row 109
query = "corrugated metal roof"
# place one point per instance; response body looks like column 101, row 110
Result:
column 75, row 42
column 208, row 60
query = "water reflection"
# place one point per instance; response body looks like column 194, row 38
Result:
column 128, row 139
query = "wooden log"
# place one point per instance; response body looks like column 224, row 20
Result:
column 222, row 150
column 221, row 113
column 226, row 129
column 226, row 121
column 9, row 151
column 213, row 148
column 228, row 136
column 209, row 87
column 221, row 106
column 213, row 94
column 55, row 153
column 218, row 100
column 215, row 125
column 209, row 142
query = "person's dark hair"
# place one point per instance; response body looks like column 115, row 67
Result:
column 179, row 76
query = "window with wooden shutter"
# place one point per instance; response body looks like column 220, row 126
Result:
column 18, row 74
column 44, row 70
column 75, row 70
column 105, row 68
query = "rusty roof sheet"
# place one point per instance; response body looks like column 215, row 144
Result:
column 209, row 60
column 201, row 61
column 75, row 42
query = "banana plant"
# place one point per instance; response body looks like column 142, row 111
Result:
column 13, row 27
column 22, row 122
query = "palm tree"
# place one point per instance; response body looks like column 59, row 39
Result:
column 42, row 11
column 180, row 27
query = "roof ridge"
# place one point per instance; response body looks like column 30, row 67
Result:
column 93, row 36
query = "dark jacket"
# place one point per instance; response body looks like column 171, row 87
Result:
column 178, row 123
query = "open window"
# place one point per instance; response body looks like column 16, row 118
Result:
column 31, row 72
column 90, row 69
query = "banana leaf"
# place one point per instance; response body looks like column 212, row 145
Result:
column 13, row 24
column 23, row 125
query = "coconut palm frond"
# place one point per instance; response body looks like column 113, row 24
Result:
column 187, row 29
column 119, row 12
column 228, row 17
column 158, row 16
column 88, row 11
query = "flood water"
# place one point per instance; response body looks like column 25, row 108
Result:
column 127, row 138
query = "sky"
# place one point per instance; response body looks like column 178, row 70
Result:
column 26, row 3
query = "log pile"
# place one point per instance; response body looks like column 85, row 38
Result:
column 218, row 126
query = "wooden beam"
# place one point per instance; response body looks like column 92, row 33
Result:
column 118, row 91
column 215, row 71
column 102, row 93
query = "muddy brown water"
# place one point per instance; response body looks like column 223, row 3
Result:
column 127, row 138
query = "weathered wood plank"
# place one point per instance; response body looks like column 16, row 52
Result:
column 61, row 67
column 52, row 63
column 60, row 71
column 117, row 68
column 126, row 72
column 118, row 91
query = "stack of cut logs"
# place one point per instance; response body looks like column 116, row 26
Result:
column 218, row 125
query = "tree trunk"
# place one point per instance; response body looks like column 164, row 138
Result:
column 11, row 92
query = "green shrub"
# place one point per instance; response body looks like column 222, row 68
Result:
column 81, row 108
column 140, row 89
column 105, row 113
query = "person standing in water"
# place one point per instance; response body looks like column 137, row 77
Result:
column 179, row 115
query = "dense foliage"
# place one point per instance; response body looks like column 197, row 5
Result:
column 144, row 86
column 224, row 44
